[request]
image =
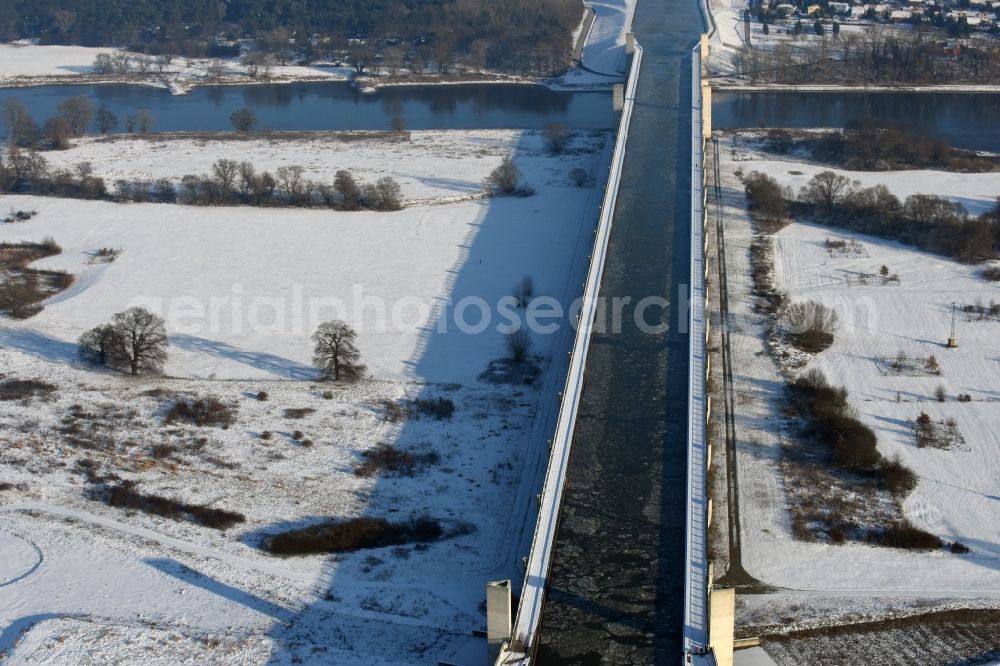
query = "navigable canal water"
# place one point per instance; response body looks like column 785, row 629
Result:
column 616, row 590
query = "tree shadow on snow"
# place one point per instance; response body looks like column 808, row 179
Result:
column 493, row 256
column 276, row 365
column 39, row 345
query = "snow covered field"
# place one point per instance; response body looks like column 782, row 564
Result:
column 244, row 298
column 438, row 165
column 88, row 583
column 956, row 493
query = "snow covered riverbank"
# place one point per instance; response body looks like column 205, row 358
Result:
column 952, row 498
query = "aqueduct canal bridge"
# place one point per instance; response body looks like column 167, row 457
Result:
column 618, row 571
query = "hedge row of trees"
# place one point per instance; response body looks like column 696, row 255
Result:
column 877, row 55
column 230, row 183
column 522, row 36
column 865, row 145
column 74, row 116
column 234, row 182
column 926, row 221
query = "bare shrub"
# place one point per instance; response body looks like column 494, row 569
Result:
column 524, row 291
column 299, row 412
column 904, row 535
column 940, row 393
column 779, row 141
column 262, row 396
column 298, row 435
column 992, row 274
column 160, row 451
column 810, row 326
column 438, row 408
column 393, row 411
column 340, row 536
column 20, row 299
column 266, row 435
column 832, row 422
column 557, row 137
column 124, row 496
column 767, row 198
column 897, row 477
column 518, row 344
column 503, row 180
column 25, row 389
column 203, row 412
column 390, row 460
column 580, row 177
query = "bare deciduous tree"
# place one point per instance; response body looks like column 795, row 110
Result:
column 827, row 189
column 103, row 64
column 20, row 125
column 57, row 132
column 101, row 345
column 394, row 56
column 292, row 183
column 384, row 194
column 335, row 352
column 225, row 173
column 243, row 120
column 105, row 120
column 256, row 64
column 557, row 136
column 120, row 62
column 144, row 340
column 77, row 111
column 140, row 121
column 215, row 70
column 347, row 188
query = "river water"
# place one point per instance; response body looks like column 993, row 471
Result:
column 336, row 106
column 966, row 120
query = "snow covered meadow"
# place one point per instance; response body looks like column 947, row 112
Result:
column 241, row 290
column 23, row 63
column 956, row 493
